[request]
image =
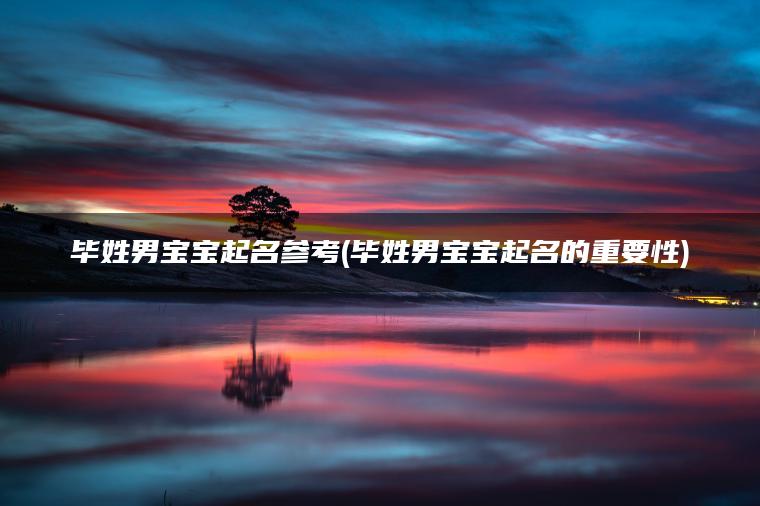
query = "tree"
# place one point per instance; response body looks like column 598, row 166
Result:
column 263, row 213
column 9, row 208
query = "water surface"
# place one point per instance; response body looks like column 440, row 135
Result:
column 115, row 402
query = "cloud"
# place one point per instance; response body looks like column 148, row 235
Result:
column 128, row 119
column 476, row 87
column 393, row 108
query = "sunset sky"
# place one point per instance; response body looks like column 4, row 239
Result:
column 547, row 106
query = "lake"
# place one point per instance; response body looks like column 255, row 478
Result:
column 156, row 402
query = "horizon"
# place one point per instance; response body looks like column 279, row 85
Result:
column 721, row 243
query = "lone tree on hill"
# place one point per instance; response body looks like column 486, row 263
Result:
column 263, row 213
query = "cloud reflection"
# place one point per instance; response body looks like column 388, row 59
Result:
column 377, row 412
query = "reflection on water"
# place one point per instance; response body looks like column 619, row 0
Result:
column 114, row 402
column 259, row 382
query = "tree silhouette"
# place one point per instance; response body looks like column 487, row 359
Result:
column 257, row 383
column 263, row 213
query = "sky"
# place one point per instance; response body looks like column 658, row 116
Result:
column 381, row 106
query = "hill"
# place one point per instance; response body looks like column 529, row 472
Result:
column 35, row 249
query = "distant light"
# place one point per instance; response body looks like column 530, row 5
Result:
column 755, row 304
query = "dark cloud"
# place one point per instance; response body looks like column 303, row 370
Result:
column 457, row 74
column 486, row 88
column 124, row 118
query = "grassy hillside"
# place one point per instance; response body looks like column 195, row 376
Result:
column 35, row 249
column 34, row 256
